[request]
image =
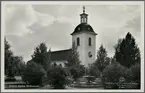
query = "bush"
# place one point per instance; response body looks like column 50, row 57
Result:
column 76, row 71
column 33, row 73
column 111, row 75
column 94, row 71
column 58, row 77
column 133, row 76
column 10, row 79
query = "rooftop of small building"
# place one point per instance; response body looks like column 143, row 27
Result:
column 59, row 55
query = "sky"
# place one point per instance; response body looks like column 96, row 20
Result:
column 28, row 25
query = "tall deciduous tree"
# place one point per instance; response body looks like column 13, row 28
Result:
column 73, row 58
column 13, row 64
column 73, row 64
column 8, row 59
column 19, row 65
column 127, row 52
column 40, row 55
column 102, row 60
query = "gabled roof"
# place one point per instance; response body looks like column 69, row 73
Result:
column 59, row 55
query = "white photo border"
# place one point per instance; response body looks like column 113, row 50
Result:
column 3, row 3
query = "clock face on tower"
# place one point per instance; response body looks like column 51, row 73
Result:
column 90, row 54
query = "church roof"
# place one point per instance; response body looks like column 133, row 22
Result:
column 59, row 55
column 84, row 27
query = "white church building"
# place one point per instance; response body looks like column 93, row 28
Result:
column 85, row 38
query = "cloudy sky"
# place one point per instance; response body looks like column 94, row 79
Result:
column 27, row 25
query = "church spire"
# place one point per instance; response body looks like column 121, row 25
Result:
column 83, row 16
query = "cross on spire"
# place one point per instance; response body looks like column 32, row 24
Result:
column 83, row 9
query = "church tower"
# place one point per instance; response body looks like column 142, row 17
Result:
column 84, row 38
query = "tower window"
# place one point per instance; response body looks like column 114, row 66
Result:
column 78, row 41
column 90, row 43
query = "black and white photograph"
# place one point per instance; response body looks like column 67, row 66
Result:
column 81, row 46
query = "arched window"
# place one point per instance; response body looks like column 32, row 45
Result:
column 90, row 43
column 78, row 41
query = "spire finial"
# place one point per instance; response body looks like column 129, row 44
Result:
column 83, row 9
column 83, row 16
